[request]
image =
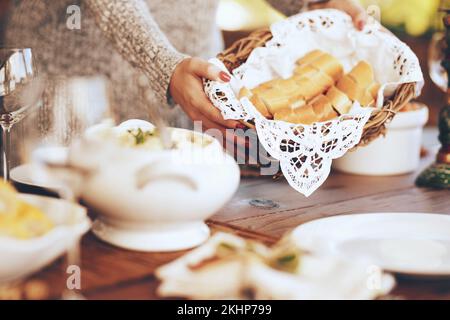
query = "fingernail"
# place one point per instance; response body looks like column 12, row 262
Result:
column 241, row 126
column 361, row 24
column 225, row 77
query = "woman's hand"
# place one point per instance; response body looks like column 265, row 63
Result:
column 186, row 88
column 353, row 8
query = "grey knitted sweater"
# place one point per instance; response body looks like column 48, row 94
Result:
column 136, row 44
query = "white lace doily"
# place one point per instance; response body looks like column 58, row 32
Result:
column 305, row 152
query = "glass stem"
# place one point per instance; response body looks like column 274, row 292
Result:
column 73, row 254
column 6, row 143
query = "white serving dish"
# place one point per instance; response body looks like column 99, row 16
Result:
column 184, row 188
column 396, row 153
column 20, row 258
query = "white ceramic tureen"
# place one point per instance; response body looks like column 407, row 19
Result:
column 152, row 195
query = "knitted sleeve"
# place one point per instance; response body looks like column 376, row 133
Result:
column 132, row 29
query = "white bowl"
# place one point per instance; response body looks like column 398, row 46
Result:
column 396, row 153
column 20, row 258
column 157, row 200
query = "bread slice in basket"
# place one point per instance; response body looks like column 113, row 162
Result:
column 317, row 91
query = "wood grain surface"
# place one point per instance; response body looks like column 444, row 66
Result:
column 264, row 210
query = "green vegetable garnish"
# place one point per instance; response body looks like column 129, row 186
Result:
column 286, row 259
column 140, row 136
column 288, row 262
column 225, row 249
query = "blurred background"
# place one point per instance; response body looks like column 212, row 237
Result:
column 414, row 21
column 413, row 17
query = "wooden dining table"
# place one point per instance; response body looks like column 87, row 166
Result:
column 262, row 209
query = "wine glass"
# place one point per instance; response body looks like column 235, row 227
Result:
column 70, row 106
column 19, row 91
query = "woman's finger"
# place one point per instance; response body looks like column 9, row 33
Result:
column 354, row 9
column 360, row 20
column 228, row 138
column 226, row 134
column 209, row 71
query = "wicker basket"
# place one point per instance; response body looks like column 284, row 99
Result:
column 239, row 52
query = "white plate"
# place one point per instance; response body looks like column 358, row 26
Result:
column 20, row 258
column 408, row 243
column 32, row 175
column 23, row 175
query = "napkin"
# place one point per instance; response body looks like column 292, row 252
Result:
column 251, row 273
